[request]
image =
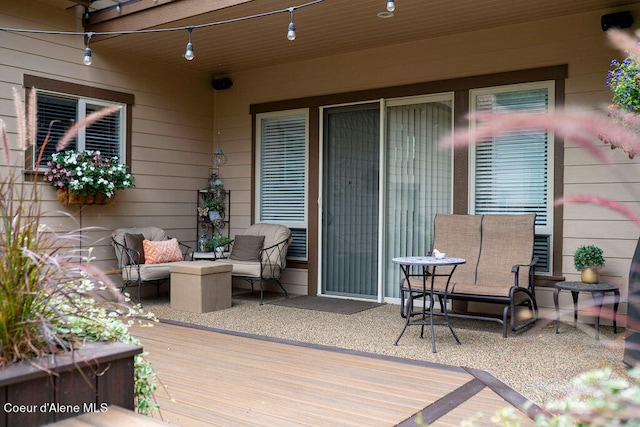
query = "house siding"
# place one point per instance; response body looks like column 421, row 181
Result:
column 178, row 120
column 577, row 41
column 171, row 128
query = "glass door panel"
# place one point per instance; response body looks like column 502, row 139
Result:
column 350, row 210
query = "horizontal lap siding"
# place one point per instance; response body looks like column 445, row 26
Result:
column 172, row 125
column 175, row 126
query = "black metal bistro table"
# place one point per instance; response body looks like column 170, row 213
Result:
column 597, row 291
column 426, row 263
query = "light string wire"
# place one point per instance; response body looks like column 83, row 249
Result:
column 159, row 30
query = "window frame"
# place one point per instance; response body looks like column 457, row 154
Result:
column 304, row 224
column 82, row 103
column 540, row 230
column 35, row 83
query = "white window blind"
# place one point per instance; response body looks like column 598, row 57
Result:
column 57, row 112
column 282, row 176
column 512, row 172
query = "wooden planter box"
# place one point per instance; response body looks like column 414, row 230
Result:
column 65, row 385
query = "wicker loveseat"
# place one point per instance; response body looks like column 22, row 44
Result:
column 499, row 268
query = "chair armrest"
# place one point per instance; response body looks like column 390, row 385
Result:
column 130, row 253
column 273, row 258
column 516, row 269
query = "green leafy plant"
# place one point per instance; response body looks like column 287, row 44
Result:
column 214, row 204
column 588, row 256
column 597, row 399
column 217, row 241
column 87, row 172
column 51, row 297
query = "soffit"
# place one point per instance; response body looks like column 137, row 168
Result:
column 322, row 29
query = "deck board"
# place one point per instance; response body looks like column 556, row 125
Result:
column 217, row 378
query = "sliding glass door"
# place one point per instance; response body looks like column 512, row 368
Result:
column 368, row 219
column 351, row 167
column 419, row 180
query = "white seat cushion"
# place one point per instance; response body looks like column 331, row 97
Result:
column 243, row 268
column 147, row 272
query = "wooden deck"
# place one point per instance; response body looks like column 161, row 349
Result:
column 221, row 378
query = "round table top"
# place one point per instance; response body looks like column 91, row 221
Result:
column 427, row 260
column 585, row 287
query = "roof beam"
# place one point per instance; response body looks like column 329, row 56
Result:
column 144, row 15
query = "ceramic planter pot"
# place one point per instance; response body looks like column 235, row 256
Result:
column 589, row 275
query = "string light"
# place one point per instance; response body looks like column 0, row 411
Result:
column 119, row 9
column 188, row 55
column 87, row 51
column 291, row 34
column 391, row 6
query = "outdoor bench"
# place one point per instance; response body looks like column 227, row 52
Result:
column 499, row 267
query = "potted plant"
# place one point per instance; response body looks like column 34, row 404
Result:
column 215, row 207
column 588, row 259
column 61, row 321
column 86, row 177
column 217, row 243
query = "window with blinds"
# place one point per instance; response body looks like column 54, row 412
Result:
column 282, row 175
column 57, row 112
column 512, row 173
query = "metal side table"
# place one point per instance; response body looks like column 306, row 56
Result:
column 597, row 290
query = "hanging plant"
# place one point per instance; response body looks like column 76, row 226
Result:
column 623, row 80
column 86, row 177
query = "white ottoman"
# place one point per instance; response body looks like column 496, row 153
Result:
column 200, row 286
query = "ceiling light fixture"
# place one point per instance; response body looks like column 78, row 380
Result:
column 291, row 33
column 87, row 50
column 188, row 55
column 391, row 6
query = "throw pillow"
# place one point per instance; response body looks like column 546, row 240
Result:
column 246, row 248
column 134, row 241
column 156, row 252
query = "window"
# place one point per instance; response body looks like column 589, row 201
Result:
column 513, row 173
column 57, row 112
column 281, row 187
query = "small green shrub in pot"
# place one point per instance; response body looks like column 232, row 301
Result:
column 588, row 256
column 216, row 241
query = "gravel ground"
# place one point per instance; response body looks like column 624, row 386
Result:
column 536, row 362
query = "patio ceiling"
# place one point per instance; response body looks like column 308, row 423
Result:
column 326, row 28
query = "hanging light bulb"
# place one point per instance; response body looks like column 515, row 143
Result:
column 391, row 6
column 118, row 8
column 87, row 51
column 86, row 14
column 291, row 33
column 188, row 55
